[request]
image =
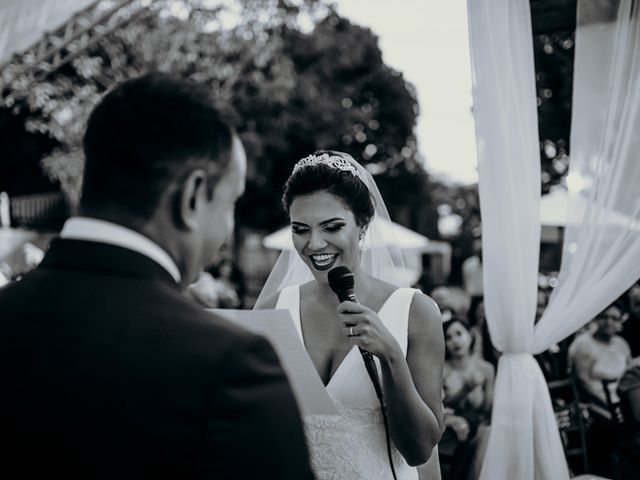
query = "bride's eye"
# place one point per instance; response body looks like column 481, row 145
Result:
column 334, row 228
column 299, row 230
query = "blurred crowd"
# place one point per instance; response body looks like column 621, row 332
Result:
column 593, row 376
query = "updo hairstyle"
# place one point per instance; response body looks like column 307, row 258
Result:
column 345, row 186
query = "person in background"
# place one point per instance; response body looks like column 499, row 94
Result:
column 600, row 354
column 631, row 326
column 482, row 346
column 598, row 358
column 232, row 283
column 219, row 286
column 468, row 395
column 472, row 274
column 629, row 393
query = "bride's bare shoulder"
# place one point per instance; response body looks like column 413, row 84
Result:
column 379, row 291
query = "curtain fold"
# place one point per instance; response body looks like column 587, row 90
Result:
column 524, row 442
column 601, row 254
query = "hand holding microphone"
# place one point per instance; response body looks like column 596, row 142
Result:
column 342, row 282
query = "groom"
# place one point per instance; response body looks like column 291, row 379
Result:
column 106, row 370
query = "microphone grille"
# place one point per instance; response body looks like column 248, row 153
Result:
column 341, row 278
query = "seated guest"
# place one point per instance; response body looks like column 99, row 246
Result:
column 221, row 285
column 629, row 393
column 233, row 287
column 482, row 346
column 598, row 356
column 468, row 394
column 631, row 328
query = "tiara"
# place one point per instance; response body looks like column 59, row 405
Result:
column 331, row 161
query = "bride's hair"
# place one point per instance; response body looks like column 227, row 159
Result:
column 341, row 183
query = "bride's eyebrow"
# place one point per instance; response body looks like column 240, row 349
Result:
column 331, row 220
column 324, row 222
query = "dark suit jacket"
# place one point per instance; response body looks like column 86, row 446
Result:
column 107, row 371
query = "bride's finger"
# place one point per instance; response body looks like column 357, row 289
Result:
column 351, row 331
column 351, row 307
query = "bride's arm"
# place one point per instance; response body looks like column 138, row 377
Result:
column 413, row 388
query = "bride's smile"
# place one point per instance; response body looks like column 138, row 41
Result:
column 323, row 261
column 325, row 232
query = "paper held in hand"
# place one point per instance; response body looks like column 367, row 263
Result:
column 277, row 327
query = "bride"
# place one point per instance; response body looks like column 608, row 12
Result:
column 337, row 217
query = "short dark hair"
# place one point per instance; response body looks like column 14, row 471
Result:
column 342, row 184
column 146, row 133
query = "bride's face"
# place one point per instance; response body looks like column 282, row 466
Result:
column 325, row 233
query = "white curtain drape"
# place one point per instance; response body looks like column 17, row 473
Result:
column 602, row 253
column 524, row 442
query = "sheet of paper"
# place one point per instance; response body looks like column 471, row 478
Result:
column 277, row 326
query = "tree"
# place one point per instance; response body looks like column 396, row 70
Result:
column 554, row 76
column 295, row 90
column 342, row 97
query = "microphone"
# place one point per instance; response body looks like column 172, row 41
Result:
column 342, row 282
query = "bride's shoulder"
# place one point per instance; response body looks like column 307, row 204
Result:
column 423, row 307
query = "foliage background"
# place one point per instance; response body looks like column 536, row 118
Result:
column 300, row 78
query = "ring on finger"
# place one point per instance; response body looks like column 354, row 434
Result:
column 351, row 333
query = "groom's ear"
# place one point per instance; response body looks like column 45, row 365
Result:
column 190, row 198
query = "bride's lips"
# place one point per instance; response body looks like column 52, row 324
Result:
column 323, row 261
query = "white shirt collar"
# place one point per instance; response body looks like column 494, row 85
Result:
column 92, row 229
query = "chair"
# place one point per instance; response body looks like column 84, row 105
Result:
column 618, row 421
column 571, row 415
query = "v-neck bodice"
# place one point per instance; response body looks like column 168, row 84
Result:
column 352, row 445
column 391, row 313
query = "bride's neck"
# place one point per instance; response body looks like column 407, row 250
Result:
column 362, row 283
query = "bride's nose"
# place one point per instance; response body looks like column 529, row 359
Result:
column 316, row 241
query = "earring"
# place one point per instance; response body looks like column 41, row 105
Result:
column 362, row 241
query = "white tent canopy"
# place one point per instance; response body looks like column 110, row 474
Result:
column 559, row 209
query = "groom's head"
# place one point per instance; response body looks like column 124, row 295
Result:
column 163, row 159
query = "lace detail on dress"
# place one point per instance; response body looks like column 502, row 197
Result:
column 341, row 446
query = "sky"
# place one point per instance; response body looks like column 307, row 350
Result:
column 427, row 40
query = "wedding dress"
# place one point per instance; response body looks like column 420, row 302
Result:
column 352, row 445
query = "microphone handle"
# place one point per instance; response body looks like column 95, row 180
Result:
column 367, row 357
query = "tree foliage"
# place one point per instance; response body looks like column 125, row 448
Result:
column 299, row 76
column 554, row 76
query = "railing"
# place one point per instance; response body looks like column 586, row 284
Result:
column 42, row 211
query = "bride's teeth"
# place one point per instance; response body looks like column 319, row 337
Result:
column 324, row 259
